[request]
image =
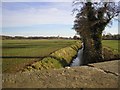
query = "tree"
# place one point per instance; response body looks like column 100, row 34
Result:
column 76, row 38
column 91, row 20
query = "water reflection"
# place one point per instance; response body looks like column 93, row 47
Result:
column 78, row 60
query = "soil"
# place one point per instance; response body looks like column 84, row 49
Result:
column 97, row 75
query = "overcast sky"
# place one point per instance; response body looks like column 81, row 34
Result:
column 40, row 19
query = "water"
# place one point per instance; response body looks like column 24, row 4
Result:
column 78, row 60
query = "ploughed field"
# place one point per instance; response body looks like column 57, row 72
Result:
column 19, row 53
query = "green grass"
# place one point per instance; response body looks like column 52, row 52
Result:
column 12, row 65
column 112, row 44
column 58, row 59
column 35, row 48
column 32, row 48
column 28, row 48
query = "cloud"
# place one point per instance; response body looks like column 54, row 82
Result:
column 0, row 18
column 114, row 29
column 55, row 0
column 37, row 0
column 35, row 16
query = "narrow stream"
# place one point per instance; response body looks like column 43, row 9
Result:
column 78, row 60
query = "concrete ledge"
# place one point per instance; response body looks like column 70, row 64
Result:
column 91, row 76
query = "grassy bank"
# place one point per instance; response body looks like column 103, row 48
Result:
column 111, row 49
column 57, row 59
column 112, row 44
column 25, row 52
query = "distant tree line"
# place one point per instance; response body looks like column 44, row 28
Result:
column 34, row 37
column 109, row 36
column 76, row 38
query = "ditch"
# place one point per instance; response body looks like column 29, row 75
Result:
column 78, row 61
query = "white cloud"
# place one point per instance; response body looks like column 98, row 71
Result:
column 55, row 0
column 32, row 16
column 37, row 0
column 113, row 29
column 54, row 10
column 0, row 17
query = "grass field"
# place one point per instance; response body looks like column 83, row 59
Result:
column 32, row 48
column 24, row 52
column 19, row 53
column 112, row 44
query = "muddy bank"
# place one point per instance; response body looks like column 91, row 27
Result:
column 57, row 59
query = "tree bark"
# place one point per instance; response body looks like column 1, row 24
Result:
column 92, row 51
column 89, row 23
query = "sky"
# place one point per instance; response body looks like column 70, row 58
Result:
column 40, row 19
